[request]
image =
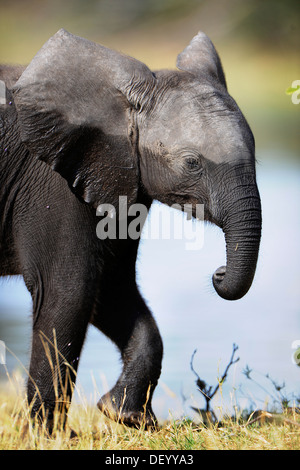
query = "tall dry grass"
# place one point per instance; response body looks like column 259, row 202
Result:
column 95, row 432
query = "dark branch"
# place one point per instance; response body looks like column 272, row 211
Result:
column 201, row 384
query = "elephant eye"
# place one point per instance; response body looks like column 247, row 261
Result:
column 193, row 164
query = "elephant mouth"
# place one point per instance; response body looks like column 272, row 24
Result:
column 241, row 224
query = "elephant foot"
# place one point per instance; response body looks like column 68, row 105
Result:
column 114, row 409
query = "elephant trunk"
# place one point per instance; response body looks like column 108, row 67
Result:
column 242, row 228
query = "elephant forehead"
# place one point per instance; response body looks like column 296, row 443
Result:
column 216, row 138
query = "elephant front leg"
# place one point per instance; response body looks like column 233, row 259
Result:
column 132, row 327
column 58, row 335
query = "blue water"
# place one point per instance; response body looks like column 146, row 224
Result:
column 176, row 284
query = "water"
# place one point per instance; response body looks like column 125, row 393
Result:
column 176, row 284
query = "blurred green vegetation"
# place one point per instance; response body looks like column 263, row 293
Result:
column 258, row 41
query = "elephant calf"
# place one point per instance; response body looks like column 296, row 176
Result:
column 110, row 127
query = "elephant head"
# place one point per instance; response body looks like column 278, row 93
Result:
column 112, row 127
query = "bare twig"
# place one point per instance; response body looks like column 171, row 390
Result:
column 206, row 390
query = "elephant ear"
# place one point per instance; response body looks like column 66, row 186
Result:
column 201, row 58
column 74, row 103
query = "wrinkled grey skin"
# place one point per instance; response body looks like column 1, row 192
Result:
column 110, row 127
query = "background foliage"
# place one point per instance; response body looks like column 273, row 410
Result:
column 257, row 40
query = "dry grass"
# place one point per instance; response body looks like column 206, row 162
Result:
column 95, row 432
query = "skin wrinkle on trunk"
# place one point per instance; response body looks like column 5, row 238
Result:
column 237, row 210
column 242, row 237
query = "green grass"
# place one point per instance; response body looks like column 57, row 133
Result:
column 95, row 432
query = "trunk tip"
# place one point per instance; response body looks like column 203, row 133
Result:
column 226, row 290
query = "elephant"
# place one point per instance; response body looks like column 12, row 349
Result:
column 83, row 125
